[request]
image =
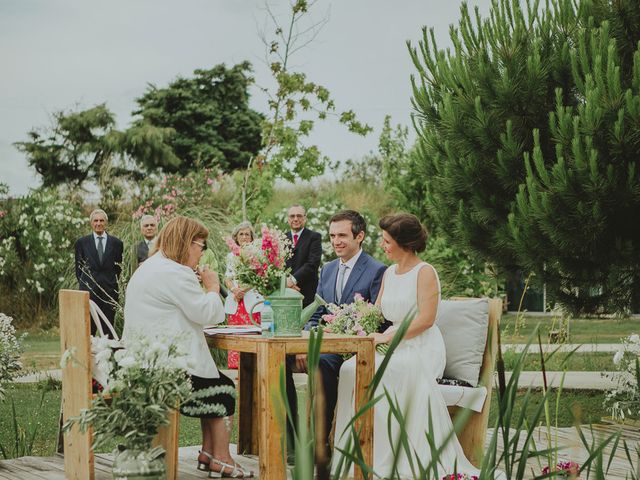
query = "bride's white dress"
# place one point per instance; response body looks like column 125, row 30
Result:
column 410, row 377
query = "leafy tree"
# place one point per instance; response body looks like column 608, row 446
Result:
column 295, row 104
column 85, row 146
column 210, row 115
column 525, row 127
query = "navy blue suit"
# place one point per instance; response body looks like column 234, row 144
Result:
column 100, row 279
column 365, row 279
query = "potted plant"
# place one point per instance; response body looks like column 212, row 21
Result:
column 147, row 381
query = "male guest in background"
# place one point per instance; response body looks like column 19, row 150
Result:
column 307, row 252
column 352, row 272
column 98, row 260
column 149, row 229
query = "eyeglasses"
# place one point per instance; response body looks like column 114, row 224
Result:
column 201, row 245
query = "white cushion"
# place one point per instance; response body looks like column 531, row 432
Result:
column 464, row 325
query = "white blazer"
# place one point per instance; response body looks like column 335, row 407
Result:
column 166, row 302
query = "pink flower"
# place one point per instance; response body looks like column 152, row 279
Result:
column 209, row 181
column 233, row 246
column 358, row 296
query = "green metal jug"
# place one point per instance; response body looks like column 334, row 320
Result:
column 288, row 315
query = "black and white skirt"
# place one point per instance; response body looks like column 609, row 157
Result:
column 211, row 398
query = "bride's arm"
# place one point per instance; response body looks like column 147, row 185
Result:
column 427, row 307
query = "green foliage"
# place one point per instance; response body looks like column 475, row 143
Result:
column 460, row 274
column 527, row 143
column 578, row 199
column 210, row 116
column 36, row 250
column 147, row 383
column 84, row 146
column 295, row 105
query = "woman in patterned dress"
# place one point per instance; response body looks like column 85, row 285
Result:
column 240, row 299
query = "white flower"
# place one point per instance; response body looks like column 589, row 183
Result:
column 635, row 338
column 67, row 356
column 617, row 358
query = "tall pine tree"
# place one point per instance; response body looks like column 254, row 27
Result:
column 507, row 91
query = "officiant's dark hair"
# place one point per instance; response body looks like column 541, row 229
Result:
column 358, row 223
column 406, row 230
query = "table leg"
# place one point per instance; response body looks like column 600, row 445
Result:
column 271, row 358
column 365, row 366
column 247, row 405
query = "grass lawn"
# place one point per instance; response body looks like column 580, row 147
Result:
column 581, row 362
column 41, row 350
column 30, row 414
column 581, row 330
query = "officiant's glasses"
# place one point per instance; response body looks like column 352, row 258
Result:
column 201, row 245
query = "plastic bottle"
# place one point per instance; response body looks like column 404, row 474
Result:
column 266, row 319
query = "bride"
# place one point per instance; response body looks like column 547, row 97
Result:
column 410, row 286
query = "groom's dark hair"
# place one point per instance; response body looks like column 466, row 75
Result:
column 358, row 223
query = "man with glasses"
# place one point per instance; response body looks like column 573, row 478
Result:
column 307, row 253
column 149, row 230
column 98, row 265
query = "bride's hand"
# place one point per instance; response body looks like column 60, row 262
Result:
column 378, row 338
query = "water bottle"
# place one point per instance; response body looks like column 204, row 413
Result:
column 266, row 319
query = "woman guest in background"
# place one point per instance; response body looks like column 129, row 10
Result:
column 240, row 301
column 166, row 302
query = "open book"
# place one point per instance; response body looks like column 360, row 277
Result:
column 229, row 329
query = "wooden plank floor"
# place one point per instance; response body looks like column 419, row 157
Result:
column 51, row 468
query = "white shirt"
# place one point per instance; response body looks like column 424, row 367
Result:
column 104, row 240
column 165, row 302
column 298, row 233
column 349, row 267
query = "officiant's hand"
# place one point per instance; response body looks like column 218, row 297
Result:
column 300, row 365
column 209, row 278
column 238, row 293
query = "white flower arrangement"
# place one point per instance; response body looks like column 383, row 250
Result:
column 147, row 379
column 624, row 400
column 10, row 351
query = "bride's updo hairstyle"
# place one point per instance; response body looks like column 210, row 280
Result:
column 406, row 230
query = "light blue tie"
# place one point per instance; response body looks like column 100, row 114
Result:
column 340, row 282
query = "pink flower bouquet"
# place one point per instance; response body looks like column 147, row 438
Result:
column 261, row 263
column 564, row 469
column 460, row 476
column 358, row 318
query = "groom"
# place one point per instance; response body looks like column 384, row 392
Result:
column 352, row 272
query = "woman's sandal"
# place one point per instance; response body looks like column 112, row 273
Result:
column 236, row 470
column 204, row 466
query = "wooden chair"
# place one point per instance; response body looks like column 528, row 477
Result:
column 75, row 333
column 472, row 436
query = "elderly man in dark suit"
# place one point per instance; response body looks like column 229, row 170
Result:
column 149, row 230
column 353, row 272
column 98, row 265
column 307, row 253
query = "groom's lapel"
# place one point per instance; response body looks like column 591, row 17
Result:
column 358, row 270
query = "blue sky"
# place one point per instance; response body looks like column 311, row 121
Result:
column 70, row 54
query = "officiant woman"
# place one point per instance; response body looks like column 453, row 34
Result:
column 166, row 302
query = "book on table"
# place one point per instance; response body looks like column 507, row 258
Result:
column 232, row 329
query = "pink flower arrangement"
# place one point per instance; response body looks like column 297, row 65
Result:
column 564, row 469
column 460, row 476
column 260, row 264
column 359, row 318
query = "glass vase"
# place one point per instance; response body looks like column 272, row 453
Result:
column 135, row 464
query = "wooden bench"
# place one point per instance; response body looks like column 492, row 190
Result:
column 473, row 434
column 75, row 333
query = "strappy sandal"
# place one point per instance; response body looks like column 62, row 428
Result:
column 236, row 470
column 204, row 466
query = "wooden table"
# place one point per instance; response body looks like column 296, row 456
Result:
column 259, row 429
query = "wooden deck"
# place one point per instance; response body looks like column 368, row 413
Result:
column 51, row 468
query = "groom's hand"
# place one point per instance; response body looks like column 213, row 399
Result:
column 300, row 365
